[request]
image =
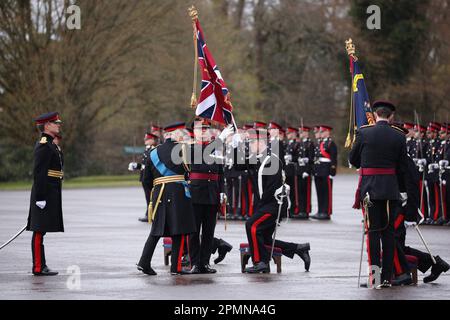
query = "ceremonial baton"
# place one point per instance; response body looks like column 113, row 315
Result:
column 14, row 237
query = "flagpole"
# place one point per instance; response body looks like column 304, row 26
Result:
column 193, row 13
column 351, row 50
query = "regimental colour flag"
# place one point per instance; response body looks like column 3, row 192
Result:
column 214, row 102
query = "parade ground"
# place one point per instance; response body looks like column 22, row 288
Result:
column 104, row 239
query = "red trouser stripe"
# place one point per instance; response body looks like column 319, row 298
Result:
column 254, row 240
column 180, row 254
column 399, row 221
column 436, row 202
column 308, row 195
column 243, row 203
column 297, row 204
column 250, row 198
column 421, row 191
column 444, row 201
column 330, row 197
column 37, row 252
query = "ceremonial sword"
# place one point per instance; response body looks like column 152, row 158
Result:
column 14, row 237
column 421, row 236
column 279, row 198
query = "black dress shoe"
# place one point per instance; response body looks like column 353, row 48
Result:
column 402, row 280
column 324, row 216
column 207, row 269
column 436, row 270
column 182, row 272
column 314, row 216
column 148, row 271
column 46, row 272
column 384, row 285
column 143, row 219
column 260, row 267
column 302, row 216
column 303, row 253
column 195, row 270
column 440, row 221
column 223, row 249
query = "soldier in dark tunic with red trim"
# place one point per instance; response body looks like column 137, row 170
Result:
column 170, row 207
column 290, row 167
column 324, row 170
column 433, row 158
column 421, row 166
column 207, row 190
column 304, row 171
column 380, row 154
column 45, row 204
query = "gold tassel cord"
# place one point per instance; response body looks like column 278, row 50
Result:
column 351, row 50
column 193, row 13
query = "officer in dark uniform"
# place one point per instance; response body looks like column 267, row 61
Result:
column 206, row 183
column 170, row 209
column 433, row 158
column 304, row 172
column 276, row 139
column 444, row 173
column 45, row 213
column 411, row 145
column 421, row 166
column 324, row 171
column 380, row 154
column 290, row 167
column 245, row 201
column 150, row 141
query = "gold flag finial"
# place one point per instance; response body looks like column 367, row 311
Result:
column 193, row 13
column 350, row 46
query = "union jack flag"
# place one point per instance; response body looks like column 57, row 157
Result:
column 214, row 102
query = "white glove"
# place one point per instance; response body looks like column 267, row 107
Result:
column 305, row 175
column 444, row 182
column 223, row 197
column 237, row 139
column 432, row 167
column 228, row 131
column 41, row 204
column 422, row 162
column 403, row 198
column 443, row 164
column 305, row 160
column 331, row 177
column 287, row 158
column 409, row 224
column 279, row 195
column 132, row 166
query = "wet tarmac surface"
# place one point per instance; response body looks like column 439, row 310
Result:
column 103, row 240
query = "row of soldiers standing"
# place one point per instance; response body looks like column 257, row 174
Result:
column 304, row 160
column 428, row 147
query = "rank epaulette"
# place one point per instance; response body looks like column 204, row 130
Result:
column 367, row 126
column 43, row 140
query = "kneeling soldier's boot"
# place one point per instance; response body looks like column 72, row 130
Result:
column 437, row 269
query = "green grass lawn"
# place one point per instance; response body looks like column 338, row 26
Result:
column 81, row 182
